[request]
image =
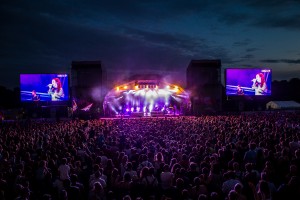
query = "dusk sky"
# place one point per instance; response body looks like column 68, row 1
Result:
column 148, row 36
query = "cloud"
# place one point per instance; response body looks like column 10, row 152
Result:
column 274, row 4
column 276, row 14
column 252, row 49
column 186, row 44
column 286, row 61
column 263, row 14
column 242, row 43
column 284, row 74
column 287, row 22
column 50, row 29
column 233, row 18
column 161, row 36
column 230, row 12
column 248, row 56
column 129, row 11
column 248, row 65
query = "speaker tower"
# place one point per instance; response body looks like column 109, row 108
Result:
column 204, row 83
column 87, row 82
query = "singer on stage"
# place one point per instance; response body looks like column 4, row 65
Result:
column 56, row 90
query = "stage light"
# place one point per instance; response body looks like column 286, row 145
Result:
column 168, row 87
column 118, row 89
column 176, row 89
column 132, row 109
column 125, row 87
column 163, row 92
column 148, row 94
column 136, row 87
column 151, row 107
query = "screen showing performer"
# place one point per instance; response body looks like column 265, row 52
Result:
column 248, row 81
column 44, row 87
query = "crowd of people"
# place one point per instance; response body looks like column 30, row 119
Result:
column 234, row 157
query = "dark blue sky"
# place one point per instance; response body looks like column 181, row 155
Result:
column 145, row 36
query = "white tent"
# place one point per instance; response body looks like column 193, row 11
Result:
column 282, row 105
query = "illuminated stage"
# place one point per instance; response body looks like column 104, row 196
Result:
column 146, row 98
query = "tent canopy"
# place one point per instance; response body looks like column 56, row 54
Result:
column 282, row 105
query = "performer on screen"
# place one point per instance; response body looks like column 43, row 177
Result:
column 239, row 91
column 35, row 97
column 259, row 84
column 56, row 90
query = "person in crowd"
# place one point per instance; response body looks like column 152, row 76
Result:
column 64, row 170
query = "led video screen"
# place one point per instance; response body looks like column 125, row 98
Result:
column 44, row 87
column 248, row 81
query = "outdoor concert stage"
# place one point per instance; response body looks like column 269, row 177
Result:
column 145, row 115
column 146, row 98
